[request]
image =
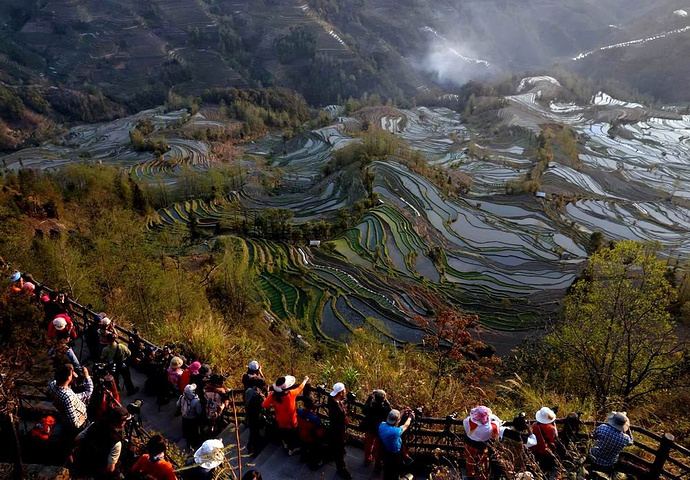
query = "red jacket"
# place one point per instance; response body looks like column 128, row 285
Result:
column 68, row 332
column 546, row 438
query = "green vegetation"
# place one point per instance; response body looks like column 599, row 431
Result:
column 298, row 44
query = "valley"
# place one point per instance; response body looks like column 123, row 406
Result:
column 507, row 256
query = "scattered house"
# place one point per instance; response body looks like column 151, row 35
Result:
column 540, row 195
column 314, row 243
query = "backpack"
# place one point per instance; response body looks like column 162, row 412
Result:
column 214, row 405
column 187, row 407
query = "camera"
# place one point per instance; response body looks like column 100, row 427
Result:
column 100, row 370
column 134, row 408
column 351, row 397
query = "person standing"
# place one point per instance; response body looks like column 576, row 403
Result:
column 153, row 463
column 339, row 419
column 118, row 354
column 282, row 398
column 546, row 434
column 70, row 405
column 98, row 448
column 480, row 427
column 376, row 410
column 391, row 443
column 311, row 432
column 254, row 377
column 189, row 406
column 610, row 437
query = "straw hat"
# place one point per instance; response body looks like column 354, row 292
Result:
column 545, row 415
column 176, row 362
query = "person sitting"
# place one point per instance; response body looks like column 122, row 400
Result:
column 153, row 462
column 480, row 427
column 175, row 372
column 117, row 354
column 70, row 405
column 98, row 448
column 546, row 434
column 376, row 409
column 311, row 432
column 253, row 377
column 390, row 435
column 610, row 439
column 186, row 377
column 189, row 406
column 282, row 398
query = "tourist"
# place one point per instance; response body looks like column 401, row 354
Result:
column 254, row 397
column 282, row 398
column 390, row 435
column 215, row 401
column 311, row 432
column 153, row 464
column 117, row 354
column 547, row 435
column 61, row 352
column 206, row 460
column 175, row 372
column 70, row 405
column 189, row 406
column 480, row 427
column 339, row 420
column 376, row 409
column 105, row 327
column 253, row 377
column 17, row 282
column 517, row 439
column 98, row 448
column 29, row 289
column 610, row 437
column 61, row 328
column 105, row 396
column 201, row 377
column 186, row 377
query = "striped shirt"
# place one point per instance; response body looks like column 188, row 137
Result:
column 72, row 406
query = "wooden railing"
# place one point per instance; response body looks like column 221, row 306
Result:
column 653, row 457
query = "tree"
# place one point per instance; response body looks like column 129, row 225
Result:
column 454, row 351
column 617, row 333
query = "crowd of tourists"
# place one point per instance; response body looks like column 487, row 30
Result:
column 95, row 429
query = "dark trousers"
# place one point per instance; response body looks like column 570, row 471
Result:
column 191, row 432
column 255, row 441
column 392, row 464
column 337, row 447
column 123, row 371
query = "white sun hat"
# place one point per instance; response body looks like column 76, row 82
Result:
column 287, row 382
column 59, row 323
column 545, row 415
column 210, row 454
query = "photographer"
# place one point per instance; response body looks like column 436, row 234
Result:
column 376, row 410
column 98, row 448
column 337, row 415
column 72, row 406
column 392, row 445
column 105, row 394
column 117, row 354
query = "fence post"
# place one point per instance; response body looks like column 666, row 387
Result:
column 662, row 454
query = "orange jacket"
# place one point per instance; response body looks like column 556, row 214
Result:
column 286, row 410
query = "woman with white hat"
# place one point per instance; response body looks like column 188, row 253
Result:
column 282, row 398
column 544, row 429
column 480, row 426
